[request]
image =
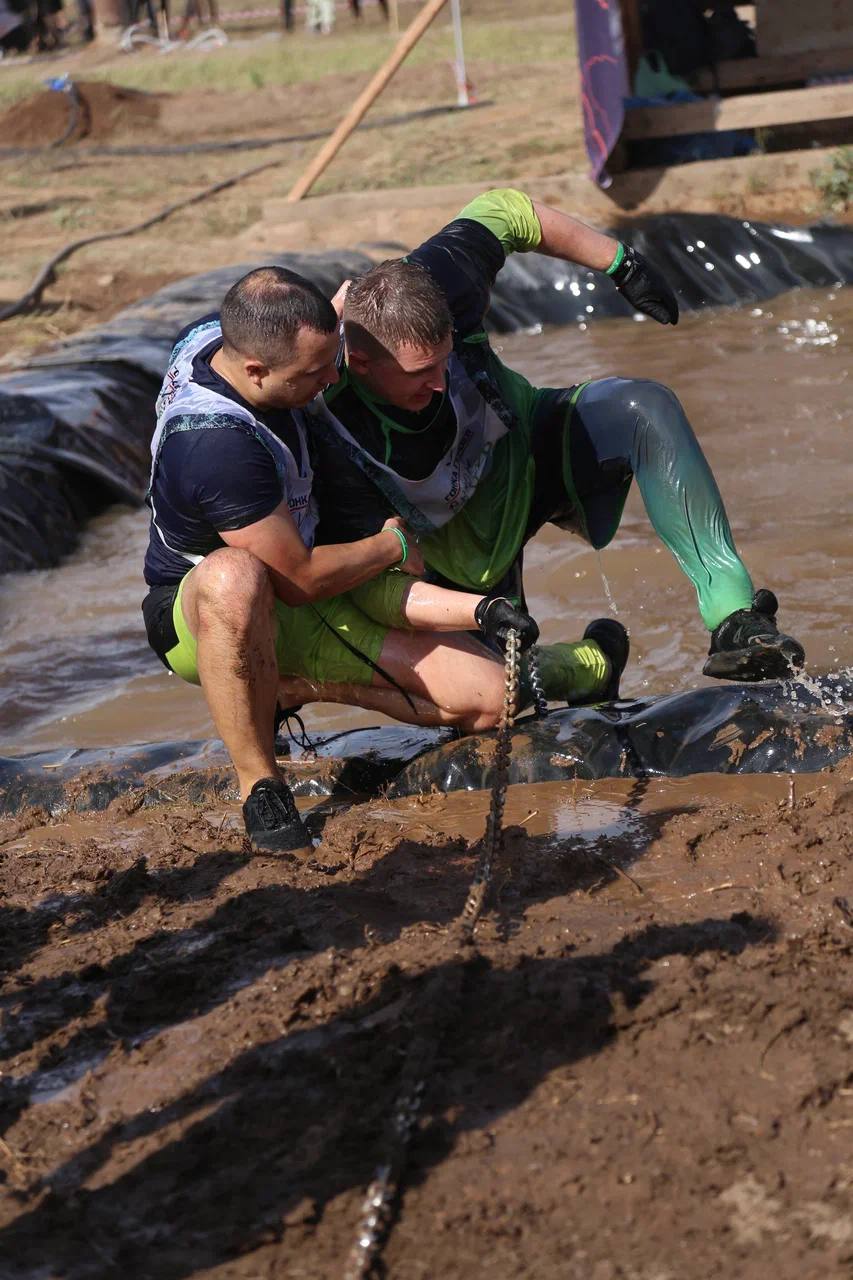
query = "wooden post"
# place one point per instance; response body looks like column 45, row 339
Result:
column 365, row 100
column 462, row 96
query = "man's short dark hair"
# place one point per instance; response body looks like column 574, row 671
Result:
column 394, row 303
column 263, row 312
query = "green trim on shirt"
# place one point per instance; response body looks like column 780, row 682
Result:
column 509, row 215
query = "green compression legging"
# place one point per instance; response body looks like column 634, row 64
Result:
column 630, row 428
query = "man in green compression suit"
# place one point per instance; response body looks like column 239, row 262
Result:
column 426, row 422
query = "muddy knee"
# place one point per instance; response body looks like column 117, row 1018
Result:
column 233, row 585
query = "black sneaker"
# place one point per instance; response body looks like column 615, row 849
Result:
column 612, row 639
column 747, row 645
column 272, row 821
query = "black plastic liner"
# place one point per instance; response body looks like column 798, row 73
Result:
column 75, row 424
column 761, row 728
column 794, row 727
column 356, row 762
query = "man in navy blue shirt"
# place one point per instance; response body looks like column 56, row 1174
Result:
column 235, row 579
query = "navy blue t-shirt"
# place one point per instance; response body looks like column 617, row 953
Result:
column 217, row 479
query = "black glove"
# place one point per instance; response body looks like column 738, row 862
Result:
column 495, row 615
column 644, row 287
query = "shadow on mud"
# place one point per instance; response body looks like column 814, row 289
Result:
column 257, row 1150
column 175, row 975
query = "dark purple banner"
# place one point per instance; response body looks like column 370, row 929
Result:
column 604, row 79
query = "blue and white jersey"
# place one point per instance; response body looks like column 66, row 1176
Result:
column 216, row 463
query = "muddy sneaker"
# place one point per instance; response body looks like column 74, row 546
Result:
column 272, row 822
column 612, row 639
column 747, row 645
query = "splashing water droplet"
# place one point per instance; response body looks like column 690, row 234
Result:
column 611, row 603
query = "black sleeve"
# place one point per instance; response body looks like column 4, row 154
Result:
column 221, row 477
column 465, row 257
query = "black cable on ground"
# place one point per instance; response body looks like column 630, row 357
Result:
column 46, row 275
column 238, row 144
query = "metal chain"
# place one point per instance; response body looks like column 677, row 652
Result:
column 493, row 840
column 540, row 702
column 378, row 1204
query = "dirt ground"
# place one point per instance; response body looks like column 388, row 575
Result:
column 641, row 1072
column 397, row 179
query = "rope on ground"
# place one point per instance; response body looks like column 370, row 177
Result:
column 46, row 275
column 436, row 1007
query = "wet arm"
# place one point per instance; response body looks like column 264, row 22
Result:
column 572, row 241
column 395, row 601
column 466, row 255
column 522, row 224
column 299, row 575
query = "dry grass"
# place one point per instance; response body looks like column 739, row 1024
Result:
column 523, row 66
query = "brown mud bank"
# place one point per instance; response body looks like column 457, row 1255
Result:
column 644, row 1068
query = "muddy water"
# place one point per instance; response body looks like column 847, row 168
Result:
column 768, row 390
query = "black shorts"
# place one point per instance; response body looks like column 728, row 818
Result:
column 157, row 610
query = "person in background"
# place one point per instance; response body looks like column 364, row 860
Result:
column 355, row 8
column 15, row 30
column 320, row 16
column 49, row 32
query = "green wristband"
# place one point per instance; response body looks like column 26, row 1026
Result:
column 403, row 543
column 617, row 261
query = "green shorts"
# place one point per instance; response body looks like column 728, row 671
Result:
column 309, row 639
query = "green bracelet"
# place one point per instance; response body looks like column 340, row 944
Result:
column 403, row 543
column 617, row 261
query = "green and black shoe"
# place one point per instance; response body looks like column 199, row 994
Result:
column 748, row 646
column 612, row 639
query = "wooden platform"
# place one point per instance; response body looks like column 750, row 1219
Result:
column 772, row 70
column 746, row 111
column 796, row 44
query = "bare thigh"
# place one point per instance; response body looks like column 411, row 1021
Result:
column 452, row 670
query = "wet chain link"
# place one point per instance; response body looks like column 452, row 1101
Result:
column 378, row 1206
column 493, row 841
column 540, row 702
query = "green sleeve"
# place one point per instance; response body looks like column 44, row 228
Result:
column 509, row 215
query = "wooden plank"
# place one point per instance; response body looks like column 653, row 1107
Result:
column 792, row 26
column 747, row 111
column 753, row 73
